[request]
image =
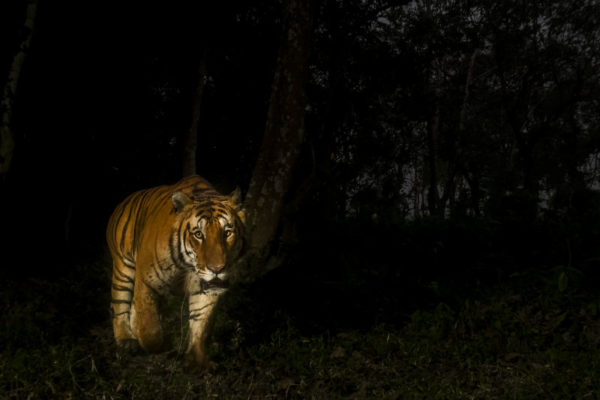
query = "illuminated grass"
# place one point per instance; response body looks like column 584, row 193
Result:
column 526, row 338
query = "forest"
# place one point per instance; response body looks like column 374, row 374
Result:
column 421, row 180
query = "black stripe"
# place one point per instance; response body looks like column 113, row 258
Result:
column 129, row 266
column 140, row 214
column 116, row 278
column 121, row 288
column 166, row 197
column 122, row 207
column 172, row 250
column 116, row 220
column 180, row 259
column 200, row 309
column 174, row 245
column 186, row 234
column 196, row 313
column 134, row 197
column 205, row 203
column 221, row 213
column 121, row 313
column 121, row 276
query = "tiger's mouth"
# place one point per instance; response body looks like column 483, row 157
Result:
column 214, row 283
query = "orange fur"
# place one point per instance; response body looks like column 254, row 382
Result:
column 181, row 237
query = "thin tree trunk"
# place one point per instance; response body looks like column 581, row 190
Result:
column 432, row 144
column 7, row 137
column 190, row 144
column 284, row 130
column 465, row 103
column 459, row 165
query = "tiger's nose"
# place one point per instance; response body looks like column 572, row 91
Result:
column 216, row 268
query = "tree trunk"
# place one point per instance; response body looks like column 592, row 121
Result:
column 469, row 171
column 465, row 104
column 272, row 175
column 7, row 137
column 433, row 128
column 190, row 143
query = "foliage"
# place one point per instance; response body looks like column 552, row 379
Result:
column 445, row 209
column 525, row 336
column 457, row 108
column 414, row 108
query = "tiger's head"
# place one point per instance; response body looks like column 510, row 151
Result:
column 208, row 235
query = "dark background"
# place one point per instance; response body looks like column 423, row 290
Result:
column 465, row 116
column 106, row 97
column 448, row 145
column 440, row 138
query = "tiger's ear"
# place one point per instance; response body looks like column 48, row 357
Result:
column 236, row 199
column 236, row 196
column 241, row 215
column 180, row 200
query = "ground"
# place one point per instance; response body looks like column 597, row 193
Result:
column 533, row 334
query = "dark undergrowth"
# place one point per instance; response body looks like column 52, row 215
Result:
column 483, row 330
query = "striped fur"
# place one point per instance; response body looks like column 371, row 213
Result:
column 169, row 239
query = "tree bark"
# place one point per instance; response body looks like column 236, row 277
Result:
column 465, row 104
column 433, row 129
column 190, row 144
column 469, row 171
column 7, row 137
column 284, row 130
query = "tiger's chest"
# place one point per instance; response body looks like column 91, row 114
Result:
column 162, row 277
column 169, row 278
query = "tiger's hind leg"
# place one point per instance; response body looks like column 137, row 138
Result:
column 123, row 279
column 146, row 317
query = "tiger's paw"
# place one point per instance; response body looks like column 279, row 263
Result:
column 127, row 347
column 198, row 365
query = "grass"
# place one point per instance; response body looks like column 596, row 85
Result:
column 534, row 334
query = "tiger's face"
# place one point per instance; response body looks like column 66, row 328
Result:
column 210, row 234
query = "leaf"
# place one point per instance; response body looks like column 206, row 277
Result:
column 338, row 352
column 563, row 281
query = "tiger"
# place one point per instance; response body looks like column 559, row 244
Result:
column 168, row 240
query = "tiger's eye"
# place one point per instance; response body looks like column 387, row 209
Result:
column 198, row 235
column 228, row 233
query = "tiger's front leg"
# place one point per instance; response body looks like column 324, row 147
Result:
column 201, row 307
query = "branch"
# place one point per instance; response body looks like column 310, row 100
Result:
column 7, row 138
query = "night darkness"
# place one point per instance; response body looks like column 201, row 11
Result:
column 445, row 228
